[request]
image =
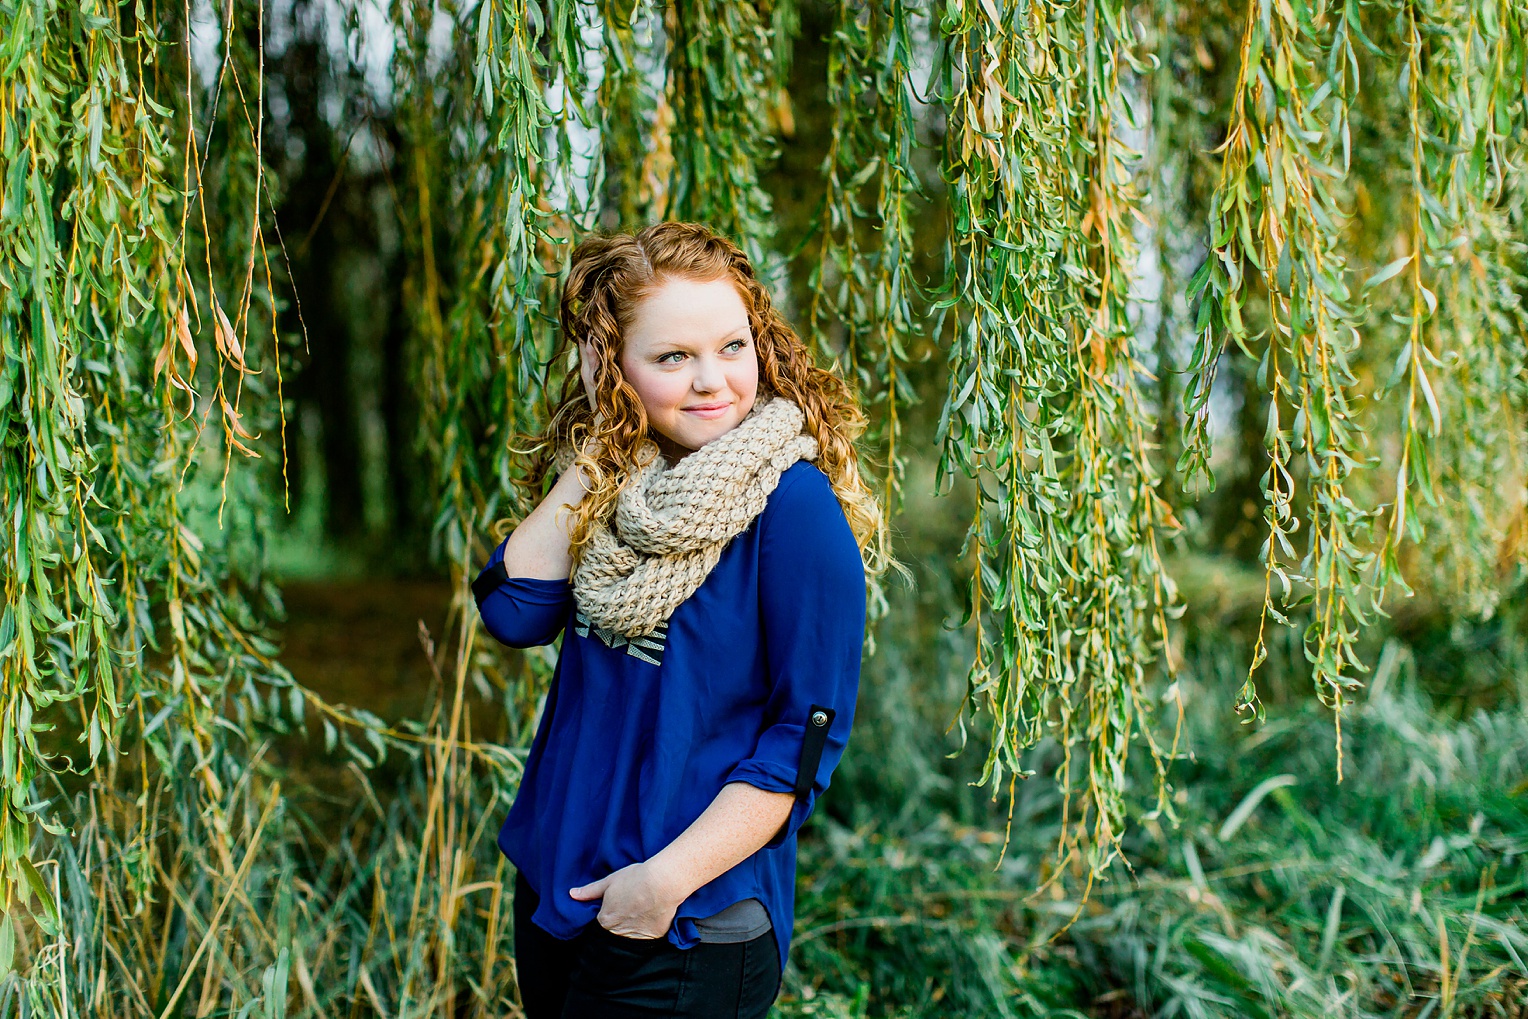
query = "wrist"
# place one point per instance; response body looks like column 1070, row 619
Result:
column 669, row 878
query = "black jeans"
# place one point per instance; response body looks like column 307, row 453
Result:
column 600, row 975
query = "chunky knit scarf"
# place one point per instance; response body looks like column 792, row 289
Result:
column 672, row 522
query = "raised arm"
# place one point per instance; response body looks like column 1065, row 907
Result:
column 538, row 548
column 523, row 592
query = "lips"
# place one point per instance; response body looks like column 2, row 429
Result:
column 715, row 410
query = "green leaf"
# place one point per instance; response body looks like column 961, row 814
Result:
column 1390, row 271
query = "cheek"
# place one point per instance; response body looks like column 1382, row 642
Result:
column 660, row 391
column 746, row 378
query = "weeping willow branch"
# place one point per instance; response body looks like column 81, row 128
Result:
column 862, row 278
column 1069, row 596
column 721, row 62
column 1457, row 83
column 115, row 603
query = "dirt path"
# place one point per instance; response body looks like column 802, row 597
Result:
column 357, row 642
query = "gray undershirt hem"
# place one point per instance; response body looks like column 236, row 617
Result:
column 741, row 921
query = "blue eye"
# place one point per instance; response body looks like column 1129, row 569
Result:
column 664, row 358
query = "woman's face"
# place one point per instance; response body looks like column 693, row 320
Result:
column 689, row 354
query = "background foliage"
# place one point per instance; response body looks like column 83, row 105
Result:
column 1194, row 339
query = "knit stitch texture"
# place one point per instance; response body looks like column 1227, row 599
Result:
column 673, row 521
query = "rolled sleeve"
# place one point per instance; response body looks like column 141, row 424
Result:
column 521, row 612
column 812, row 608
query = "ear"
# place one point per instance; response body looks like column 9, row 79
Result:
column 586, row 353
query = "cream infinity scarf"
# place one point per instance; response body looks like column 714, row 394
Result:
column 672, row 522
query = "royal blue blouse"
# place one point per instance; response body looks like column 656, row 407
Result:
column 639, row 736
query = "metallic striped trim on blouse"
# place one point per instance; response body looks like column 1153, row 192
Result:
column 648, row 648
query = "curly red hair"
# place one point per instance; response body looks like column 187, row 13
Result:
column 609, row 276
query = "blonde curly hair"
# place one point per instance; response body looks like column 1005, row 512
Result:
column 609, row 275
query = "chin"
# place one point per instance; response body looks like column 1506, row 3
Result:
column 695, row 438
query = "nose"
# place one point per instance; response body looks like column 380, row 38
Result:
column 708, row 376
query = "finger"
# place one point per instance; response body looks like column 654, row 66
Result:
column 592, row 890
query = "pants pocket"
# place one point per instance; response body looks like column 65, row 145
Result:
column 621, row 976
column 761, row 977
column 635, row 945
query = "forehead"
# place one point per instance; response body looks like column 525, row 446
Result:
column 687, row 311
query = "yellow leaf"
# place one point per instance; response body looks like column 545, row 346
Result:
column 183, row 332
column 228, row 343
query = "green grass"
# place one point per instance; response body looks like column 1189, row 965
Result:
column 315, row 886
column 1399, row 892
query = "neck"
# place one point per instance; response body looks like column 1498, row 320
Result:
column 672, row 451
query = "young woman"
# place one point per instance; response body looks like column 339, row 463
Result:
column 705, row 546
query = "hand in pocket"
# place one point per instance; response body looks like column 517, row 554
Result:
column 635, row 904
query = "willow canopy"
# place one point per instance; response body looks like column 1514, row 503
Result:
column 1087, row 237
